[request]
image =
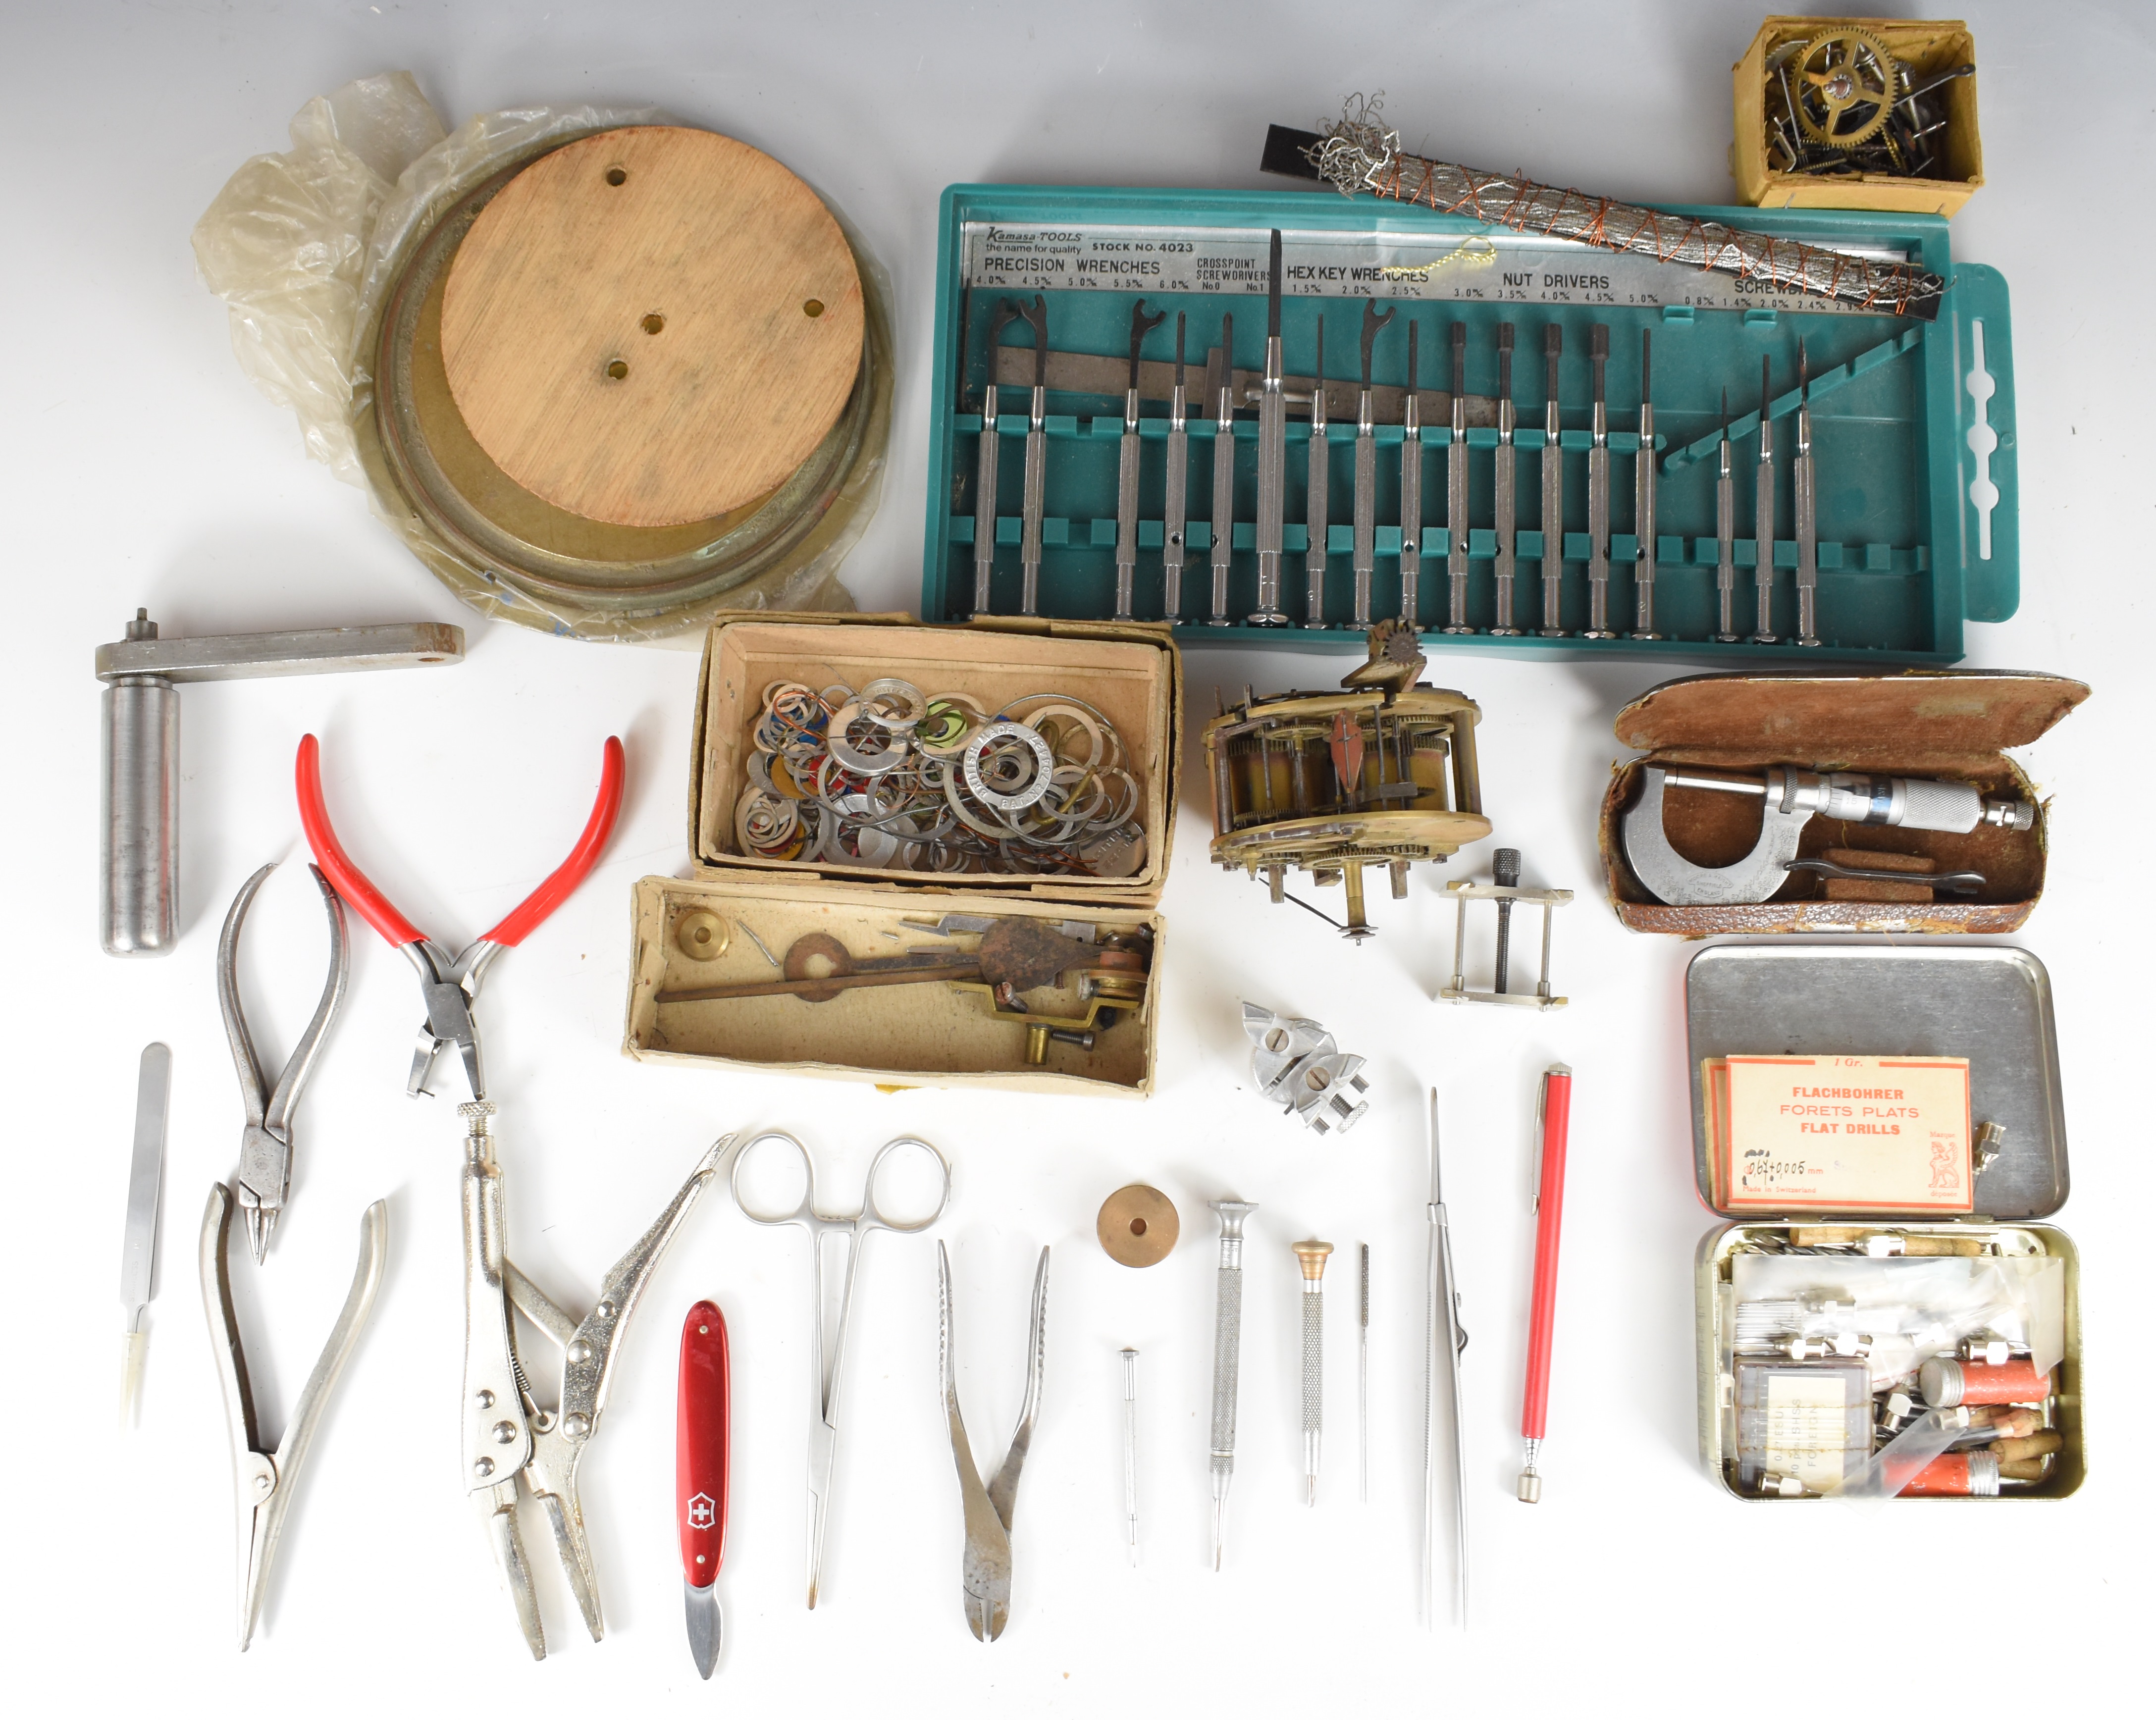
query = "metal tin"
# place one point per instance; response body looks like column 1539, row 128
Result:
column 1990, row 1003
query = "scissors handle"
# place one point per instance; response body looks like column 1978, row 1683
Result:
column 872, row 1217
column 806, row 1213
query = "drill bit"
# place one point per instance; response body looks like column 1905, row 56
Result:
column 1411, row 490
column 1597, row 490
column 1312, row 1254
column 984, row 481
column 1224, row 476
column 1803, row 488
column 1131, row 1449
column 1762, row 514
column 1272, row 458
column 1175, row 508
column 1504, row 504
column 1443, row 1330
column 1321, row 462
column 1366, row 473
column 1725, row 536
column 1362, row 1377
column 1127, row 469
column 1645, row 521
column 1505, row 869
column 1036, row 461
column 1553, row 487
column 1456, row 491
column 1227, row 1353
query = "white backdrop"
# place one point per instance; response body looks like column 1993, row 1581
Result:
column 141, row 469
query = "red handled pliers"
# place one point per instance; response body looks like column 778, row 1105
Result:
column 450, row 982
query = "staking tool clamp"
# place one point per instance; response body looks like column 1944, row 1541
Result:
column 450, row 983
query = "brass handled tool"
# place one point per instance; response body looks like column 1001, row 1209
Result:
column 984, row 477
column 1411, row 490
column 1444, row 1335
column 1366, row 473
column 1456, row 491
column 1036, row 461
column 1224, row 476
column 1320, row 473
column 1227, row 1354
column 1762, row 514
column 1803, row 502
column 1127, row 470
column 1725, row 536
column 1272, row 458
column 1597, row 490
column 1553, row 487
column 1312, row 1254
column 1645, row 521
column 1175, row 506
column 1504, row 503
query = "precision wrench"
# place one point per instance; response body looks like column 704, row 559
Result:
column 1223, row 477
column 1127, row 470
column 1762, row 514
column 1321, row 463
column 1036, row 459
column 1505, row 503
column 1553, row 487
column 1644, row 521
column 1456, row 491
column 1803, row 488
column 1597, row 490
column 1411, row 489
column 984, row 481
column 1175, row 551
column 1227, row 1353
column 1366, row 475
column 1725, row 536
column 1272, row 458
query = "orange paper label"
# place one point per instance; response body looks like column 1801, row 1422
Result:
column 1845, row 1134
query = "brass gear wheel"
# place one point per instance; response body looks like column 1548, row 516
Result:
column 1846, row 83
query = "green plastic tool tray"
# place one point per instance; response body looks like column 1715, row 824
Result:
column 1913, row 421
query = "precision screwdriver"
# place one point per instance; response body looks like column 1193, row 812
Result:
column 1643, row 517
column 1036, row 462
column 1762, row 514
column 1597, row 490
column 1803, row 497
column 1312, row 1254
column 1725, row 536
column 1272, row 458
column 1411, row 489
column 984, row 481
column 1366, row 473
column 1127, row 470
column 1456, row 491
column 1224, row 476
column 1504, row 503
column 1320, row 465
column 1175, row 551
column 1227, row 1356
column 1553, row 488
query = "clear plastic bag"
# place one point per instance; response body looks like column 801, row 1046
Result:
column 307, row 250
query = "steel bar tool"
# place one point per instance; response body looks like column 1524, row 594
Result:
column 1224, row 476
column 138, row 1257
column 1644, row 521
column 1366, row 473
column 1312, row 1254
column 1803, row 501
column 984, row 480
column 1763, row 513
column 1175, row 506
column 1316, row 491
column 1272, row 458
column 1597, row 490
column 1456, row 491
column 1227, row 1354
column 1725, row 536
column 139, row 846
column 1504, row 517
column 1127, row 470
column 1553, row 488
column 1554, row 1112
column 1444, row 1337
column 1035, row 502
column 1411, row 489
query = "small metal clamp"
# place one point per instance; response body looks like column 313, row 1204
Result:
column 1464, row 891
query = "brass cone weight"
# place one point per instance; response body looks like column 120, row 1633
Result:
column 1137, row 1225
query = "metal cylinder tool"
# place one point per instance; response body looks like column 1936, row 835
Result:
column 1312, row 1254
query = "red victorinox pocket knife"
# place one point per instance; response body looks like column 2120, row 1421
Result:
column 700, row 1475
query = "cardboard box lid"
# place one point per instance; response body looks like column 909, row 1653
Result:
column 1823, row 718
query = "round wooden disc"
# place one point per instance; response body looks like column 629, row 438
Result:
column 1137, row 1225
column 652, row 326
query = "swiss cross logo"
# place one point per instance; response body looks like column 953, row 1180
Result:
column 701, row 1512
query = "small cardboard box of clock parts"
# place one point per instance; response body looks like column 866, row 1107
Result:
column 921, row 855
column 1884, row 1312
column 1803, row 800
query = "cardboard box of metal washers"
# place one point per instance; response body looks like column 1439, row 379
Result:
column 1929, row 48
column 1805, row 1318
column 1679, row 856
column 983, row 912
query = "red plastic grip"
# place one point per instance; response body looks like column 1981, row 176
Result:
column 700, row 1445
column 524, row 919
column 345, row 878
column 1557, row 1125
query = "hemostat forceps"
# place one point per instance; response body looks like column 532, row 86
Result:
column 987, row 1572
column 265, row 1147
column 506, row 1433
column 828, row 1348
